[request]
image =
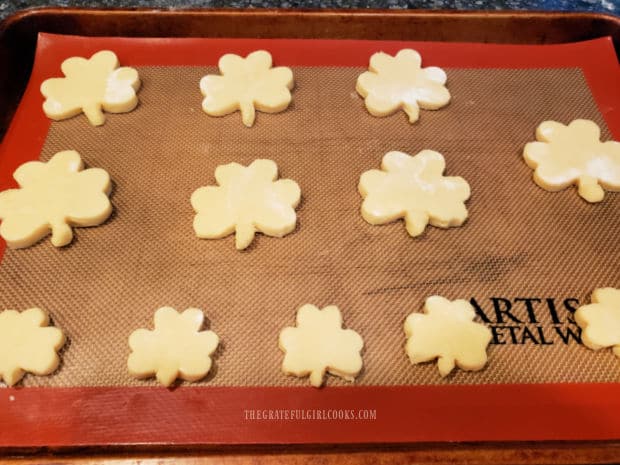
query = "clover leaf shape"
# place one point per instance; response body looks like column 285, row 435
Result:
column 446, row 331
column 573, row 154
column 247, row 84
column 176, row 348
column 53, row 196
column 415, row 189
column 399, row 82
column 28, row 344
column 91, row 86
column 600, row 321
column 247, row 200
column 318, row 344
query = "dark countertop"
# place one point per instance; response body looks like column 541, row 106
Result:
column 8, row 7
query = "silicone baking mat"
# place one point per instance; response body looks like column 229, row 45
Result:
column 525, row 257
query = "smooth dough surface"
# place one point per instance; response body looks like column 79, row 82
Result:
column 27, row 344
column 176, row 348
column 446, row 331
column 53, row 196
column 91, row 86
column 573, row 154
column 600, row 321
column 399, row 82
column 415, row 189
column 318, row 344
column 247, row 84
column 247, row 200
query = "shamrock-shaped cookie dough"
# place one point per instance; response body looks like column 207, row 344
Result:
column 415, row 189
column 399, row 82
column 176, row 348
column 574, row 154
column 446, row 331
column 247, row 200
column 90, row 86
column 27, row 344
column 247, row 84
column 319, row 344
column 53, row 196
column 600, row 321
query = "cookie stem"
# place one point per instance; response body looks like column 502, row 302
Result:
column 94, row 114
column 244, row 235
column 248, row 113
column 166, row 375
column 445, row 365
column 316, row 378
column 590, row 190
column 61, row 233
column 415, row 222
column 413, row 111
column 12, row 376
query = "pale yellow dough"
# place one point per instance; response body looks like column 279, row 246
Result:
column 91, row 86
column 53, row 196
column 27, row 344
column 318, row 344
column 574, row 154
column 247, row 200
column 600, row 321
column 176, row 348
column 446, row 331
column 247, row 84
column 415, row 189
column 399, row 82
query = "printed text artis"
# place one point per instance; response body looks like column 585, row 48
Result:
column 529, row 320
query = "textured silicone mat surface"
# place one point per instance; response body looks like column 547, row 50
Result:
column 519, row 242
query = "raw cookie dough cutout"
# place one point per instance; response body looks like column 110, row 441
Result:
column 247, row 84
column 415, row 189
column 247, row 200
column 600, row 321
column 574, row 154
column 91, row 86
column 176, row 348
column 318, row 344
column 446, row 332
column 399, row 82
column 53, row 196
column 28, row 344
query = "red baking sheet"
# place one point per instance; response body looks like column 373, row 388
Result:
column 59, row 417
